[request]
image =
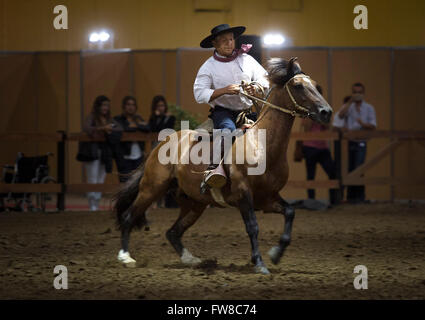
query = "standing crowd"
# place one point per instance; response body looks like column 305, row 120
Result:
column 97, row 157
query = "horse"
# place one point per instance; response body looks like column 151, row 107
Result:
column 289, row 87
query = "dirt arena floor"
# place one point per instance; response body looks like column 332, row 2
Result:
column 388, row 239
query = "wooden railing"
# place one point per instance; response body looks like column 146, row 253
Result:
column 343, row 178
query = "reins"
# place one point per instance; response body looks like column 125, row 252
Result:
column 292, row 112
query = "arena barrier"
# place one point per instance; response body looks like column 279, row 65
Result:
column 344, row 178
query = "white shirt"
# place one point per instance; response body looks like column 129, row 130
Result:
column 135, row 153
column 215, row 74
column 337, row 121
column 366, row 113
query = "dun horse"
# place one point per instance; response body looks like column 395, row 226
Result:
column 292, row 94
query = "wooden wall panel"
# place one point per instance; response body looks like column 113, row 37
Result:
column 18, row 102
column 51, row 100
column 170, row 76
column 74, row 168
column 409, row 114
column 148, row 79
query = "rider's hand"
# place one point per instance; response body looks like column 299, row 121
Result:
column 231, row 89
column 251, row 90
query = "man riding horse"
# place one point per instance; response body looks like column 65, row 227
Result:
column 292, row 94
column 218, row 83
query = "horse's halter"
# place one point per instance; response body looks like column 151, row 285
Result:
column 292, row 112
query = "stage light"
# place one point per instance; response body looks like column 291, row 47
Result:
column 273, row 39
column 104, row 36
column 94, row 37
column 101, row 36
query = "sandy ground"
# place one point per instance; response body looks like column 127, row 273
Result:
column 388, row 239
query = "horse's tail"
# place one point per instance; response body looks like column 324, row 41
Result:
column 124, row 199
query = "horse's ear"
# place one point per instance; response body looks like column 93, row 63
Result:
column 291, row 64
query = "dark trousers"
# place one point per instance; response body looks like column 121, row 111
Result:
column 223, row 118
column 356, row 157
column 126, row 166
column 313, row 156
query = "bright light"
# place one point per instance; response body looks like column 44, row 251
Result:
column 104, row 36
column 101, row 36
column 94, row 37
column 273, row 39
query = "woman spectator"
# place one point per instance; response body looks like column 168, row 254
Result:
column 130, row 154
column 317, row 151
column 160, row 118
column 97, row 156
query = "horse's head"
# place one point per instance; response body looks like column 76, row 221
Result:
column 297, row 90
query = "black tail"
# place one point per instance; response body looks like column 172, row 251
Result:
column 124, row 199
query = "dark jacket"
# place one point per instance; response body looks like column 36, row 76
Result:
column 89, row 151
column 124, row 148
column 158, row 123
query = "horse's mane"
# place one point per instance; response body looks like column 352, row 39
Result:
column 279, row 74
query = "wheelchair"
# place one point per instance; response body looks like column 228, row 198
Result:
column 26, row 170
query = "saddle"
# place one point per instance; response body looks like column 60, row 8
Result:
column 241, row 120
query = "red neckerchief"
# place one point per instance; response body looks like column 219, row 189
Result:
column 244, row 49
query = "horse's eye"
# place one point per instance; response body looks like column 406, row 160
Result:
column 298, row 86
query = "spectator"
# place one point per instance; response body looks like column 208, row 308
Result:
column 338, row 124
column 97, row 156
column 357, row 115
column 129, row 155
column 317, row 151
column 160, row 118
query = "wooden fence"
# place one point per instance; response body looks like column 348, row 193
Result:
column 343, row 177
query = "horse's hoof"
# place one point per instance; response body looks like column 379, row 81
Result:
column 126, row 259
column 188, row 258
column 130, row 264
column 192, row 261
column 261, row 269
column 275, row 254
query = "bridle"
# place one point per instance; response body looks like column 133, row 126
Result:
column 292, row 112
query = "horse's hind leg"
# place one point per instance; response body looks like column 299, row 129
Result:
column 190, row 211
column 135, row 216
column 276, row 252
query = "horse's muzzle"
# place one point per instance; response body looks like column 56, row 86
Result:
column 324, row 114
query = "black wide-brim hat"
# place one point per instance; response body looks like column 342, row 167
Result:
column 222, row 28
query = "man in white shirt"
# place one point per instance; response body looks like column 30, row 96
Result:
column 218, row 83
column 356, row 114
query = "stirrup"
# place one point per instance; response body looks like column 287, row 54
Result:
column 215, row 178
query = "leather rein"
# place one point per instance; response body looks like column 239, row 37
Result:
column 292, row 112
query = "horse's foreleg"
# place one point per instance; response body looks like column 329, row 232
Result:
column 246, row 208
column 189, row 213
column 277, row 252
